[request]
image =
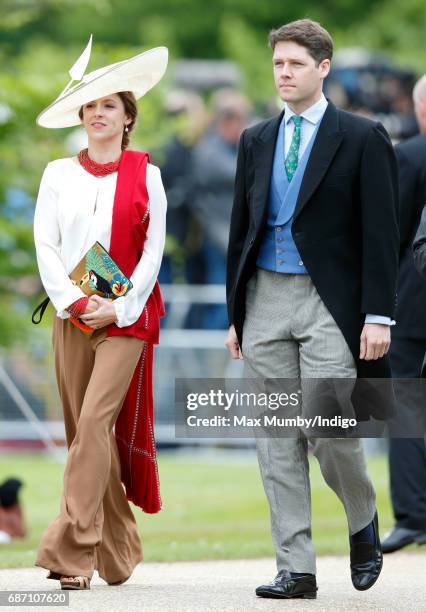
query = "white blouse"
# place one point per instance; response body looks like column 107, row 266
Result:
column 74, row 210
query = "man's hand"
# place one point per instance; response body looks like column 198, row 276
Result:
column 232, row 344
column 99, row 312
column 375, row 341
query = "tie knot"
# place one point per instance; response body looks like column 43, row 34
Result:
column 297, row 119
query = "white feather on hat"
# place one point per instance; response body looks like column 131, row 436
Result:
column 137, row 74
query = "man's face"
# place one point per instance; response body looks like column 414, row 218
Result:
column 297, row 77
column 420, row 112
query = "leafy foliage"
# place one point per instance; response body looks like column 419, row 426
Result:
column 42, row 38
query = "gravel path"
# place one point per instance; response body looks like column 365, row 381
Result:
column 198, row 586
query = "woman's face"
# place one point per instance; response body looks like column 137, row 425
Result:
column 104, row 119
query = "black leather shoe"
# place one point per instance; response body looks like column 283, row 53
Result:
column 400, row 537
column 285, row 587
column 366, row 560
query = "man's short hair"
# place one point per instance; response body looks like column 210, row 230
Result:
column 306, row 33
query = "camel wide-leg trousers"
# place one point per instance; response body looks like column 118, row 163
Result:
column 95, row 528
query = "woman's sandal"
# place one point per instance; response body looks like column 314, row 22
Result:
column 75, row 583
column 53, row 576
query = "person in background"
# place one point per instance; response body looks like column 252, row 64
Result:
column 12, row 524
column 407, row 455
column 419, row 248
column 188, row 116
column 213, row 173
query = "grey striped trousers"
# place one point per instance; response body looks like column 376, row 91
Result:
column 289, row 332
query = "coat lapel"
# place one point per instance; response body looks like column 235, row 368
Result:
column 263, row 151
column 328, row 140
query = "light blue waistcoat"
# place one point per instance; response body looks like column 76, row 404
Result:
column 278, row 251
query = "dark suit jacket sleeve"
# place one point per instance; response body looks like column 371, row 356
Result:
column 379, row 219
column 408, row 196
column 419, row 246
column 238, row 227
column 412, row 190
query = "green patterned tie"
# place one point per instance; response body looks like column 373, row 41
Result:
column 292, row 158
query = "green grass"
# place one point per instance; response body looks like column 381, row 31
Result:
column 212, row 508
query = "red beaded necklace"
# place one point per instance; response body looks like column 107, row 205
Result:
column 95, row 168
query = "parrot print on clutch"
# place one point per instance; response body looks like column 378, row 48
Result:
column 98, row 273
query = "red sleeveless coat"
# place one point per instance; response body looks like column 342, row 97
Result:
column 134, row 428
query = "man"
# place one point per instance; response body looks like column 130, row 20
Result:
column 213, row 172
column 312, row 268
column 407, row 456
column 419, row 246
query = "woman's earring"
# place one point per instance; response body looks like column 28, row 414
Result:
column 126, row 129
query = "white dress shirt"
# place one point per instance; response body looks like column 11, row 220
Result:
column 311, row 116
column 74, row 210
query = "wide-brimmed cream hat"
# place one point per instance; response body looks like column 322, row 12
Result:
column 137, row 74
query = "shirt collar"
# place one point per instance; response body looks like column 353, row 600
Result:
column 313, row 114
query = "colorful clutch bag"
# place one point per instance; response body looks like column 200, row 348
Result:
column 97, row 273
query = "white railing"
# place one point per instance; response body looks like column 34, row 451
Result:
column 182, row 353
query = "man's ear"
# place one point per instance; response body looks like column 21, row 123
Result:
column 325, row 66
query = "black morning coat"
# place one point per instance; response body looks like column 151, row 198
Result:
column 419, row 248
column 411, row 307
column 345, row 227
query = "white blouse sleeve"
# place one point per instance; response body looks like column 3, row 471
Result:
column 47, row 238
column 130, row 306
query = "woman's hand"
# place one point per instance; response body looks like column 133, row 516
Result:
column 99, row 312
column 92, row 305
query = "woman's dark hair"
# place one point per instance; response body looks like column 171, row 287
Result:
column 131, row 110
column 306, row 33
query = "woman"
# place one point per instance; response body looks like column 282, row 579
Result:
column 113, row 196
